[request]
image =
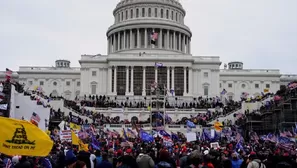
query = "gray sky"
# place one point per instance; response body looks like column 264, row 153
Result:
column 261, row 33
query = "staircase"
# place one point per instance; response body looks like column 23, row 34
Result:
column 25, row 107
column 229, row 116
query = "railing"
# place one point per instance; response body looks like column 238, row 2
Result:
column 33, row 68
column 168, row 110
column 251, row 70
column 147, row 126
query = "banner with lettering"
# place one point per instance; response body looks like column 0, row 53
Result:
column 65, row 135
column 20, row 137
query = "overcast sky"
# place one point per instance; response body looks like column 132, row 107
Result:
column 260, row 33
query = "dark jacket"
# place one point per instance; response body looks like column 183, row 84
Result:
column 104, row 164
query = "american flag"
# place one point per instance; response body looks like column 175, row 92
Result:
column 8, row 163
column 35, row 117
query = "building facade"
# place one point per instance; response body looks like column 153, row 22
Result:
column 149, row 44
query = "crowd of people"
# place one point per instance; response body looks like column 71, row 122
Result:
column 119, row 151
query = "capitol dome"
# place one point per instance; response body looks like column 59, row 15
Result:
column 137, row 20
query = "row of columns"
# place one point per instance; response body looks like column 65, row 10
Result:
column 112, row 89
column 126, row 39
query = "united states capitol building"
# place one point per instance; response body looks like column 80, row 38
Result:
column 129, row 68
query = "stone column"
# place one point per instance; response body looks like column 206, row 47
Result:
column 109, row 77
column 174, row 41
column 108, row 45
column 119, row 41
column 168, row 78
column 124, row 45
column 179, row 41
column 190, row 80
column 115, row 80
column 156, row 74
column 189, row 45
column 183, row 43
column 138, row 39
column 160, row 38
column 172, row 79
column 127, row 80
column 168, row 40
column 132, row 80
column 185, row 81
column 153, row 46
column 143, row 82
column 145, row 38
column 131, row 40
column 114, row 43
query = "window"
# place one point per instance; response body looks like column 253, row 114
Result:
column 137, row 13
column 230, row 85
column 205, row 90
column 243, row 85
column 171, row 15
column 131, row 12
column 30, row 82
column 78, row 84
column 267, row 86
column 41, row 83
column 55, row 83
column 93, row 89
column 220, row 85
column 126, row 15
column 162, row 13
column 205, row 74
column 156, row 12
column 68, row 83
column 176, row 16
column 119, row 17
column 122, row 16
column 149, row 12
column 143, row 12
column 167, row 14
column 256, row 85
column 94, row 73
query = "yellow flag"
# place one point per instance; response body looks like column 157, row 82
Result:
column 218, row 126
column 74, row 126
column 20, row 137
column 78, row 142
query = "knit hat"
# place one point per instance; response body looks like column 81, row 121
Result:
column 70, row 158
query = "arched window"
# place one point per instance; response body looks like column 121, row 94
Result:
column 176, row 16
column 126, row 17
column 156, row 12
column 167, row 14
column 119, row 17
column 131, row 13
column 122, row 18
column 162, row 13
column 172, row 15
column 137, row 13
column 143, row 12
column 149, row 12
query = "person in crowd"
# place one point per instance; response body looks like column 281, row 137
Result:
column 236, row 161
column 23, row 163
column 144, row 160
column 104, row 163
column 255, row 162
